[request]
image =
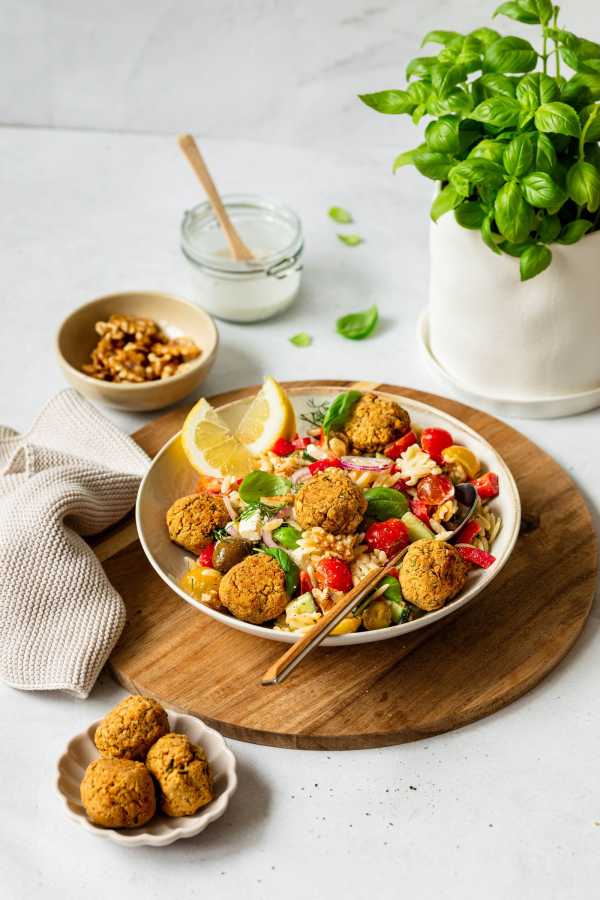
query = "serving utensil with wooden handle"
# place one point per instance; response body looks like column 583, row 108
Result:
column 286, row 663
column 196, row 161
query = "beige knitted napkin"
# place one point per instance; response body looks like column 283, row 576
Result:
column 73, row 474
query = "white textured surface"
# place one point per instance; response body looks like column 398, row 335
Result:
column 504, row 808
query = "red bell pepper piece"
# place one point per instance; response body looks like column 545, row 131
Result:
column 467, row 533
column 305, row 582
column 393, row 451
column 283, row 447
column 319, row 465
column 487, row 485
column 206, row 556
column 476, row 556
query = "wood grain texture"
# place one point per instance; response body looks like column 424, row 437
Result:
column 456, row 671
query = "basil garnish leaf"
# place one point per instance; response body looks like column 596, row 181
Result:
column 290, row 569
column 339, row 410
column 263, row 484
column 385, row 503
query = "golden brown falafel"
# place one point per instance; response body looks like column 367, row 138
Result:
column 432, row 572
column 183, row 776
column 254, row 589
column 129, row 730
column 330, row 500
column 118, row 793
column 375, row 422
column 191, row 520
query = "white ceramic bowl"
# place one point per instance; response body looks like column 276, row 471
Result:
column 170, row 476
column 161, row 830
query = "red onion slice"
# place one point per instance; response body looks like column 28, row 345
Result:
column 366, row 463
column 267, row 538
column 229, row 507
column 300, row 475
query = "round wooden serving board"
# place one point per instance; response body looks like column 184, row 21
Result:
column 434, row 680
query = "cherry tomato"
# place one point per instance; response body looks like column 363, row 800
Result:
column 321, row 464
column 435, row 489
column 393, row 451
column 420, row 509
column 476, row 556
column 206, row 556
column 487, row 485
column 470, row 530
column 283, row 447
column 389, row 536
column 434, row 441
column 464, row 457
column 334, row 573
column 305, row 582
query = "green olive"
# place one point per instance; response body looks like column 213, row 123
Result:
column 378, row 614
column 229, row 552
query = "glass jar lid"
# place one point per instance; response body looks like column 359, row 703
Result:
column 271, row 231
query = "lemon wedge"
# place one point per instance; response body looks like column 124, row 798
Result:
column 270, row 416
column 210, row 446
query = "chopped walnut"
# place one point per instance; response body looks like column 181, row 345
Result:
column 136, row 350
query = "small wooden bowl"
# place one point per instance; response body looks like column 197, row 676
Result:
column 76, row 339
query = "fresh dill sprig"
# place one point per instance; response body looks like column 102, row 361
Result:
column 316, row 413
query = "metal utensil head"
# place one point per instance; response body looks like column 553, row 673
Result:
column 467, row 496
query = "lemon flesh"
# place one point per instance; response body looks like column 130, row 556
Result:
column 210, row 446
column 269, row 417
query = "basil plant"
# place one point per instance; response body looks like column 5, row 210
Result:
column 513, row 132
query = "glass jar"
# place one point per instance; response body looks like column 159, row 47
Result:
column 237, row 290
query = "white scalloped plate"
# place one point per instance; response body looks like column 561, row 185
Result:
column 161, row 830
column 171, row 476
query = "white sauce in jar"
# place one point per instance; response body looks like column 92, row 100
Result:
column 244, row 291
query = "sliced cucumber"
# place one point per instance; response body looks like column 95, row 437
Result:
column 302, row 604
column 417, row 530
column 400, row 612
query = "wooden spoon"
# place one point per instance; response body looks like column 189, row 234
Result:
column 194, row 157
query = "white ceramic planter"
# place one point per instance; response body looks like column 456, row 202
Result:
column 503, row 338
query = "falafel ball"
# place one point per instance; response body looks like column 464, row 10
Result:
column 191, row 520
column 129, row 730
column 375, row 422
column 330, row 500
column 183, row 776
column 254, row 589
column 118, row 793
column 432, row 572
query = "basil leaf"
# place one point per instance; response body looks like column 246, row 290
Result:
column 470, row 214
column 535, row 89
column 518, row 12
column 440, row 37
column 515, row 249
column 290, row 569
column 446, row 200
column 263, row 484
column 339, row 410
column 475, row 170
column 494, row 84
column 490, row 237
column 557, row 118
column 585, row 86
column 534, row 260
column 583, row 185
column 385, row 503
column 358, row 326
column 501, row 112
column 445, row 76
column 420, row 67
column 514, row 216
column 433, row 165
column 341, row 216
column 545, row 154
column 351, row 240
column 518, row 156
column 405, row 159
column 540, row 190
column 419, row 91
column 549, row 228
column 485, row 36
column 287, row 536
column 442, row 135
column 488, row 149
column 593, row 132
column 574, row 231
column 302, row 339
column 510, row 54
column 388, row 102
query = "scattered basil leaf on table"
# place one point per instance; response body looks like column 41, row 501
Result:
column 385, row 503
column 339, row 410
column 302, row 339
column 358, row 326
column 534, row 260
column 263, row 484
column 351, row 240
column 341, row 216
column 287, row 536
column 290, row 569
